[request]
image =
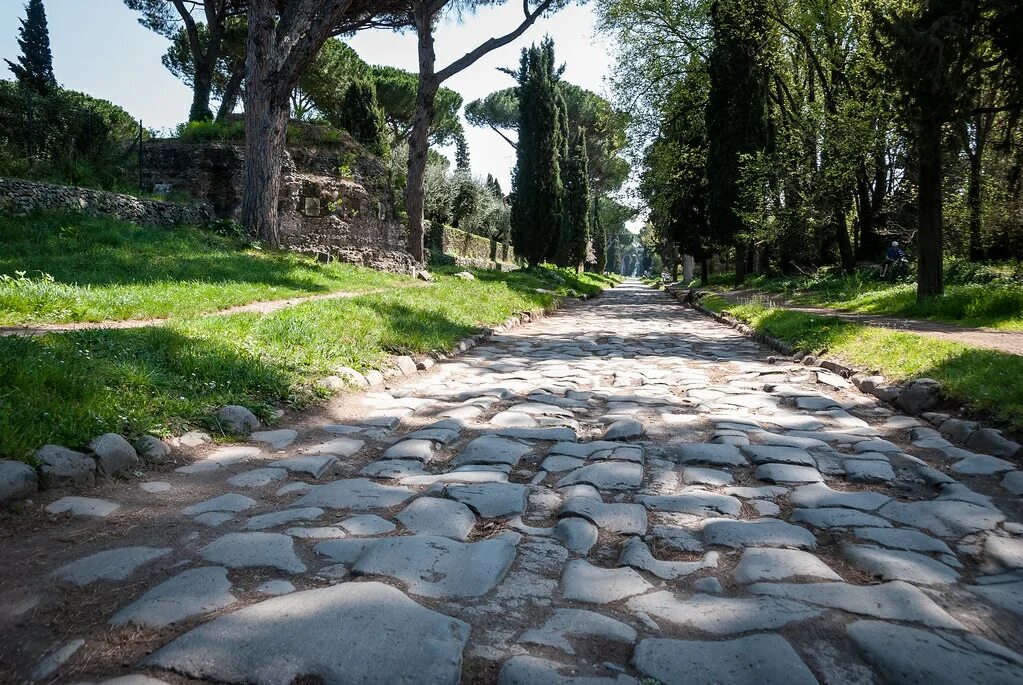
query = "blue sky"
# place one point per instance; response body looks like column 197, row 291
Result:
column 99, row 48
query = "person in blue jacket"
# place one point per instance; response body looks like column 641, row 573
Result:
column 893, row 255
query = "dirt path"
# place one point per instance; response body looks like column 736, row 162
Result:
column 262, row 307
column 1010, row 342
column 625, row 491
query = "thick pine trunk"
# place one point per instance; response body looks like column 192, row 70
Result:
column 419, row 139
column 704, row 271
column 929, row 238
column 232, row 92
column 202, row 87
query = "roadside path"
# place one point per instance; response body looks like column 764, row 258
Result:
column 624, row 491
column 985, row 338
column 261, row 307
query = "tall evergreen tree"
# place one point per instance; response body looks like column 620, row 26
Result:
column 599, row 239
column 361, row 116
column 736, row 114
column 34, row 67
column 576, row 229
column 537, row 190
column 462, row 161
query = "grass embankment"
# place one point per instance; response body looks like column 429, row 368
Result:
column 976, row 295
column 66, row 388
column 75, row 268
column 984, row 381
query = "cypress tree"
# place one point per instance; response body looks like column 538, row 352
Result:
column 599, row 238
column 537, row 190
column 576, row 229
column 736, row 114
column 35, row 64
column 361, row 116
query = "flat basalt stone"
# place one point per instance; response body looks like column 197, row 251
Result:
column 190, row 593
column 111, row 564
column 722, row 615
column 354, row 493
column 752, row 660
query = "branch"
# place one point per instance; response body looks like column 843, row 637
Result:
column 506, row 138
column 470, row 58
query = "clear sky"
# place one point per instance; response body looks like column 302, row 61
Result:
column 99, row 48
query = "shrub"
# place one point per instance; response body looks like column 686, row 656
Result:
column 211, row 131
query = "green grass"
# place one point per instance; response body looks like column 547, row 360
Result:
column 67, row 388
column 976, row 295
column 985, row 382
column 75, row 268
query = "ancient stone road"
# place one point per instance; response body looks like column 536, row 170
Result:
column 624, row 492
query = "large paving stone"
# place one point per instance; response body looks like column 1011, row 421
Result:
column 567, row 624
column 61, row 467
column 919, row 657
column 903, row 538
column 111, row 564
column 864, row 471
column 760, row 564
column 436, row 516
column 491, row 499
column 87, row 507
column 820, row 495
column 722, row 615
column 637, row 555
column 1008, row 596
column 607, row 475
column 17, row 480
column 433, row 566
column 624, row 518
column 765, row 454
column 251, row 550
column 624, row 429
column 278, row 439
column 331, row 634
column 530, row 670
column 945, row 518
column 715, row 454
column 584, row 582
column 367, row 524
column 279, row 518
column 231, row 502
column 338, row 447
column 354, row 493
column 415, row 448
column 257, row 478
column 753, row 660
column 787, row 474
column 190, row 593
column 837, row 517
column 313, row 465
column 697, row 502
column 896, row 601
column 703, row 476
column 577, row 534
column 982, row 465
column 893, row 564
column 1003, row 553
column 491, row 449
column 763, row 533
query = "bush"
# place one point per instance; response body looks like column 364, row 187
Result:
column 211, row 131
column 65, row 137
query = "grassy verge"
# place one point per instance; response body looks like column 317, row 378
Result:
column 984, row 381
column 67, row 268
column 67, row 388
column 975, row 295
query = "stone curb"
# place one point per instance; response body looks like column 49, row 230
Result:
column 19, row 480
column 919, row 397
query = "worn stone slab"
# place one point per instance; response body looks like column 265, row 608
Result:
column 624, row 429
column 221, row 457
column 753, row 660
column 864, row 471
column 567, row 624
column 1003, row 553
column 895, row 601
column 766, row 454
column 982, row 465
column 820, row 495
column 190, row 593
column 787, row 474
column 557, row 463
column 88, row 507
column 330, row 634
column 918, row 657
column 760, row 564
column 257, row 478
column 607, row 475
column 903, row 538
column 110, row 564
column 702, row 476
column 367, row 524
column 584, row 582
column 763, row 533
column 893, row 564
column 354, row 493
column 627, row 519
column 249, row 550
column 491, row 500
column 636, row 554
column 49, row 664
column 491, row 449
column 577, row 534
column 530, row 670
column 837, row 517
column 1008, row 596
column 231, row 502
column 434, row 566
column 278, row 439
column 435, row 516
column 702, row 453
column 945, row 518
column 155, row 487
column 338, row 447
column 394, row 469
column 279, row 518
column 696, row 502
column 313, row 465
column 415, row 448
column 722, row 615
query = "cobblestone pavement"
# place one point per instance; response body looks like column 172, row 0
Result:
column 624, row 492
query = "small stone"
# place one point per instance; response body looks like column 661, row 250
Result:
column 48, row 665
column 114, row 454
column 1003, row 554
column 583, row 582
column 576, row 534
column 708, row 586
column 155, row 487
column 275, row 587
column 352, row 377
column 237, row 419
column 83, row 506
column 212, row 519
column 945, row 518
column 982, row 465
column 279, row 439
column 608, row 475
column 61, row 467
column 627, row 519
column 820, row 495
column 339, row 447
column 903, row 538
column 695, row 502
column 406, row 364
column 111, row 564
column 153, row 449
column 1013, row 482
column 701, row 476
column 421, row 450
column 190, row 593
column 991, row 441
column 637, row 555
column 921, row 395
column 491, row 449
column 765, row 454
column 313, row 465
column 367, row 524
column 17, row 480
column 229, row 502
column 715, row 454
column 624, row 429
column 195, row 438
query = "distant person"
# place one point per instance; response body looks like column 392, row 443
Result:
column 892, row 257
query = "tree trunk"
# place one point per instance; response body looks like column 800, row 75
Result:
column 688, row 267
column 704, row 271
column 973, row 191
column 202, row 87
column 740, row 262
column 231, row 94
column 845, row 249
column 419, row 139
column 929, row 238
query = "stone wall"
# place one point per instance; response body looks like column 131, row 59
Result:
column 336, row 201
column 18, row 198
column 475, row 250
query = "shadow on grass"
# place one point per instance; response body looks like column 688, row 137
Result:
column 68, row 388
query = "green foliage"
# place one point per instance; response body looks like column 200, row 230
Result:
column 576, row 230
column 34, row 67
column 599, row 239
column 396, row 92
column 537, row 189
column 229, row 68
column 64, row 137
column 361, row 116
column 210, row 131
